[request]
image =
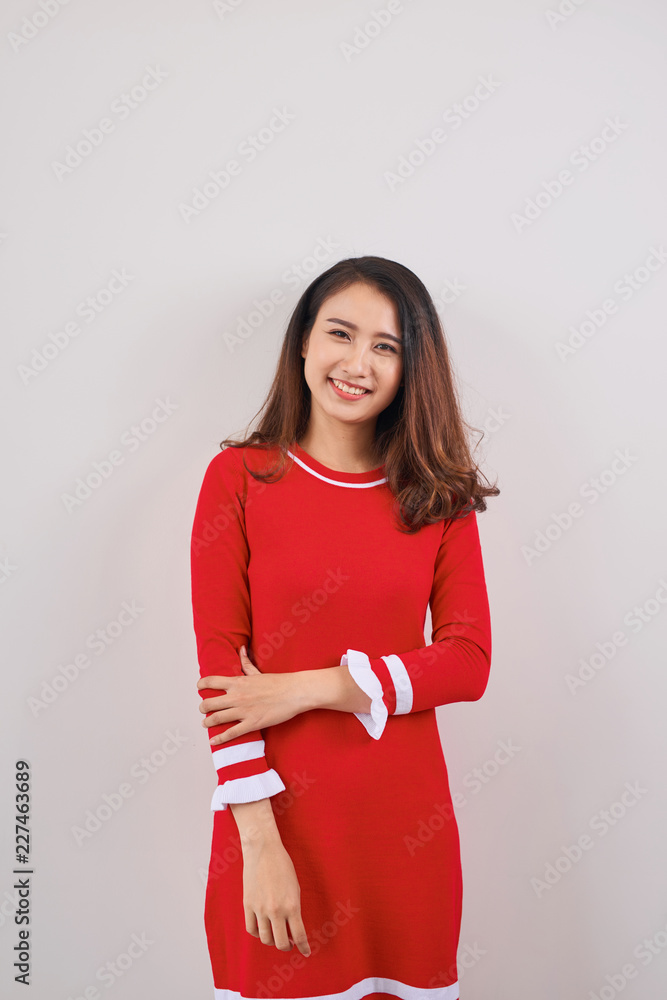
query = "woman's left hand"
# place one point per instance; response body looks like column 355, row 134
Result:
column 256, row 699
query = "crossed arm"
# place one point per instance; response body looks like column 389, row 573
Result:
column 258, row 700
column 239, row 700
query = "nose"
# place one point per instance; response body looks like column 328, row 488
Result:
column 358, row 362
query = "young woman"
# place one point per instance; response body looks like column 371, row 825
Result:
column 317, row 545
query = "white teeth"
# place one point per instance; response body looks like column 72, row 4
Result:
column 349, row 389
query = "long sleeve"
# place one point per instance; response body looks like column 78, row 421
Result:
column 456, row 664
column 222, row 621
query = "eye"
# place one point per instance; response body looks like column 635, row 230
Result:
column 345, row 334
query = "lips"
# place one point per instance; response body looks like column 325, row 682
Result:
column 366, row 392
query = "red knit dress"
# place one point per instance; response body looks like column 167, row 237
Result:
column 309, row 572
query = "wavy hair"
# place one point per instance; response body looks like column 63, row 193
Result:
column 421, row 437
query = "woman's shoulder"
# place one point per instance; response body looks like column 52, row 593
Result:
column 238, row 460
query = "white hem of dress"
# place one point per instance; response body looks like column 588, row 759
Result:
column 372, row 984
column 361, row 671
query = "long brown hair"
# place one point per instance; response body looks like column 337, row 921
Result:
column 420, row 438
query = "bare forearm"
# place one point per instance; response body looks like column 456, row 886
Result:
column 333, row 688
column 256, row 823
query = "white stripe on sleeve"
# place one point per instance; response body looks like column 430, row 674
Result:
column 399, row 676
column 241, row 751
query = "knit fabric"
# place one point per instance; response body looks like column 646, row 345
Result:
column 309, row 572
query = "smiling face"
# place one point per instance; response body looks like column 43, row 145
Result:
column 356, row 339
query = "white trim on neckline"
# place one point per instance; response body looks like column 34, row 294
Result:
column 335, row 482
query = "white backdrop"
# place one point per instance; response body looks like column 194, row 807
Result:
column 512, row 154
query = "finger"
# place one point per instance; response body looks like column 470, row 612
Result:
column 213, row 704
column 215, row 681
column 251, row 922
column 222, row 716
column 280, row 934
column 299, row 934
column 246, row 663
column 229, row 734
column 265, row 932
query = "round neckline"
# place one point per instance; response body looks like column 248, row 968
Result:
column 341, row 477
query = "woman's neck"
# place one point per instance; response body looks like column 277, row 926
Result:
column 340, row 456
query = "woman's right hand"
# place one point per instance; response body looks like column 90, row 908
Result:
column 271, row 892
column 272, row 896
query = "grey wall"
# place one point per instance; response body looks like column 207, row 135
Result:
column 535, row 215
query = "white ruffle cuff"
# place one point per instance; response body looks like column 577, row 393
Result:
column 249, row 789
column 361, row 671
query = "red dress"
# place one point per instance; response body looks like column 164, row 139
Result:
column 306, row 571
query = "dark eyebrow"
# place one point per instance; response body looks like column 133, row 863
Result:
column 353, row 326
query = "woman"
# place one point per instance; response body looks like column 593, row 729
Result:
column 317, row 545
